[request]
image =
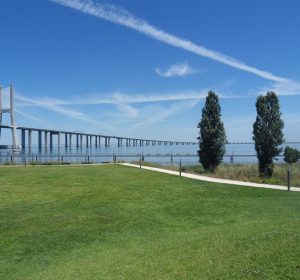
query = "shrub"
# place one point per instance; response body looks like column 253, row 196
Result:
column 291, row 155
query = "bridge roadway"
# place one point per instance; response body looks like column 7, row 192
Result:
column 46, row 136
column 68, row 137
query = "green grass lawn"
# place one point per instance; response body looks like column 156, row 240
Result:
column 117, row 222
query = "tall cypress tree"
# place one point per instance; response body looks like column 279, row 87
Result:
column 212, row 137
column 267, row 132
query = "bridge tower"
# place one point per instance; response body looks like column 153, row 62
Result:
column 10, row 111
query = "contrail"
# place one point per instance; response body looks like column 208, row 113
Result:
column 122, row 17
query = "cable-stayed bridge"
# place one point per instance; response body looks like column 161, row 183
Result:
column 48, row 138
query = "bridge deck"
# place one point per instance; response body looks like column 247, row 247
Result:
column 55, row 132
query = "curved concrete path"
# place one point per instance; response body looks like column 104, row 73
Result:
column 214, row 180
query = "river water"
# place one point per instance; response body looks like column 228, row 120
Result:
column 169, row 154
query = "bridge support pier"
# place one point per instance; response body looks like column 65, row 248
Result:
column 77, row 140
column 46, row 140
column 51, row 141
column 66, row 140
column 40, row 141
column 23, row 139
column 70, row 140
column 106, row 142
column 58, row 142
column 119, row 142
column 29, row 140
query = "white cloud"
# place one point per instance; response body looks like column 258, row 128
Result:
column 122, row 17
column 116, row 98
column 178, row 69
column 153, row 108
column 289, row 88
column 55, row 106
column 28, row 116
column 153, row 114
column 135, row 98
column 131, row 111
column 127, row 110
column 157, row 114
column 286, row 88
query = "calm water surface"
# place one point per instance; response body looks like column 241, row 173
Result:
column 239, row 153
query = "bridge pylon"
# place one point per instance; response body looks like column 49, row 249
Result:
column 9, row 110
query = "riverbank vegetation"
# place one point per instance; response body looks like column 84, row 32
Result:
column 240, row 172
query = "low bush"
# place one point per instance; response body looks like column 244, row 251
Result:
column 291, row 155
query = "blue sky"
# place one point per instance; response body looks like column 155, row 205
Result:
column 142, row 68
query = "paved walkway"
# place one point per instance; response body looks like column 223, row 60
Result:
column 214, row 180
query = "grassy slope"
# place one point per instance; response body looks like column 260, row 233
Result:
column 115, row 222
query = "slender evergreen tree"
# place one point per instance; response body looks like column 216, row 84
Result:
column 212, row 137
column 267, row 132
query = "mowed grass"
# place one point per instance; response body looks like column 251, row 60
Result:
column 117, row 222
